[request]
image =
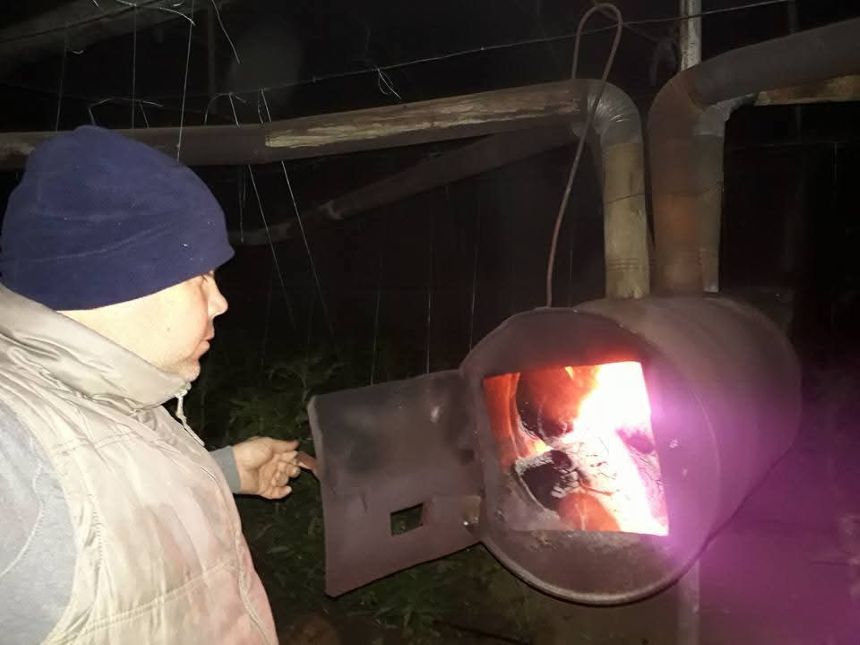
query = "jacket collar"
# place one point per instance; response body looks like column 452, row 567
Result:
column 65, row 353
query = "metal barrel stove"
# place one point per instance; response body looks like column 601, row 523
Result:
column 593, row 450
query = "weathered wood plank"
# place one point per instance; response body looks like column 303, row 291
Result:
column 368, row 129
column 835, row 90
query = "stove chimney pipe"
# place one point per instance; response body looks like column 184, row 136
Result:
column 686, row 131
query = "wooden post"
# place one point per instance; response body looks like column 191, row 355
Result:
column 488, row 153
column 691, row 33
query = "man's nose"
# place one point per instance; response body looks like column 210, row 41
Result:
column 217, row 302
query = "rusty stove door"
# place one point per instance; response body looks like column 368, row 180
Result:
column 386, row 449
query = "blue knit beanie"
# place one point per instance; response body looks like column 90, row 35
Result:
column 99, row 219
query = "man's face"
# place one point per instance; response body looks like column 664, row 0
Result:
column 170, row 329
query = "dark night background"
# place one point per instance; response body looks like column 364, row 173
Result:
column 789, row 208
column 428, row 276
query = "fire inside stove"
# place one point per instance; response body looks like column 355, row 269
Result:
column 579, row 439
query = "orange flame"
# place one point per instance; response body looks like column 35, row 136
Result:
column 604, row 415
column 619, row 402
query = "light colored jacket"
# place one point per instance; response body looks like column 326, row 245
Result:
column 160, row 552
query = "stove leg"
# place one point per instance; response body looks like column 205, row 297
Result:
column 688, row 606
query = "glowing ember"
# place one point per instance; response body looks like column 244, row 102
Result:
column 580, row 440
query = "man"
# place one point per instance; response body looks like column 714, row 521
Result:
column 117, row 525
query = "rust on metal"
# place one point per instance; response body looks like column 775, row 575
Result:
column 401, row 446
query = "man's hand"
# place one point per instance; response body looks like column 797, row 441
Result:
column 266, row 466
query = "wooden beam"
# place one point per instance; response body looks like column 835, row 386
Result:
column 834, row 90
column 490, row 152
column 473, row 159
column 77, row 25
column 442, row 119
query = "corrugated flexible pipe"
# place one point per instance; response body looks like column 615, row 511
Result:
column 618, row 131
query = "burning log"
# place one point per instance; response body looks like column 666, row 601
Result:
column 549, row 477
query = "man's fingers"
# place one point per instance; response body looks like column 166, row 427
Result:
column 285, row 471
column 307, row 462
column 279, row 445
column 277, row 492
